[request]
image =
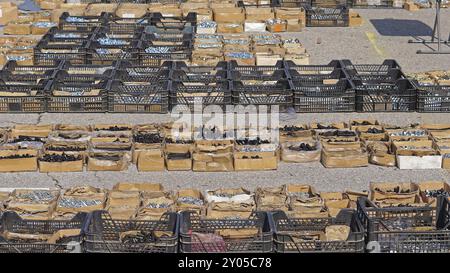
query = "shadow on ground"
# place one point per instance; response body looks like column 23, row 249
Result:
column 401, row 27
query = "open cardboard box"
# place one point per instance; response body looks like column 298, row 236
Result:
column 108, row 161
column 380, row 153
column 8, row 12
column 31, row 130
column 261, row 161
column 288, row 155
column 193, row 193
column 131, row 10
column 65, row 166
column 229, row 15
column 432, row 185
column 150, row 160
column 223, row 203
column 123, row 204
column 345, row 158
column 383, row 192
column 423, row 156
column 144, row 187
column 181, row 163
column 259, row 14
column 335, row 202
column 18, row 164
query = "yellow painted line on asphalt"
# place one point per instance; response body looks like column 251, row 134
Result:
column 373, row 40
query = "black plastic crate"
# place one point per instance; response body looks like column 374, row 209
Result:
column 27, row 74
column 286, row 229
column 327, row 17
column 86, row 72
column 264, row 92
column 141, row 97
column 74, row 98
column 397, row 97
column 389, row 71
column 107, row 54
column 161, row 24
column 315, row 96
column 191, row 222
column 119, row 25
column 103, row 234
column 251, row 72
column 150, row 55
column 328, row 3
column 361, row 4
column 11, row 222
column 30, row 100
column 142, row 74
column 81, row 23
column 406, row 229
column 203, row 74
column 57, row 35
column 185, row 94
column 50, row 53
column 170, row 39
column 315, row 72
column 433, row 98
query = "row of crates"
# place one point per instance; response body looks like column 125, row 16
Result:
column 121, row 86
column 269, row 3
column 106, row 38
column 426, row 229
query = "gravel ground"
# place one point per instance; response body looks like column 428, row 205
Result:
column 389, row 31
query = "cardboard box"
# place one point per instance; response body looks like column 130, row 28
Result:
column 230, row 28
column 294, row 48
column 17, row 29
column 112, row 161
column 302, row 59
column 150, row 160
column 123, row 204
column 271, row 198
column 78, row 194
column 293, row 25
column 335, row 202
column 182, row 163
column 423, row 157
column 229, row 15
column 37, row 30
column 240, row 61
column 50, row 4
column 31, row 130
column 355, row 20
column 260, row 14
column 411, row 6
column 131, row 10
column 394, row 192
column 144, row 187
column 251, row 26
column 67, row 166
column 97, row 9
column 293, row 156
column 267, row 59
column 212, row 162
column 431, row 185
column 181, row 205
column 344, row 159
column 147, row 211
column 290, row 14
column 8, row 12
column 223, row 203
column 276, row 26
column 23, row 164
column 309, row 201
column 261, row 161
